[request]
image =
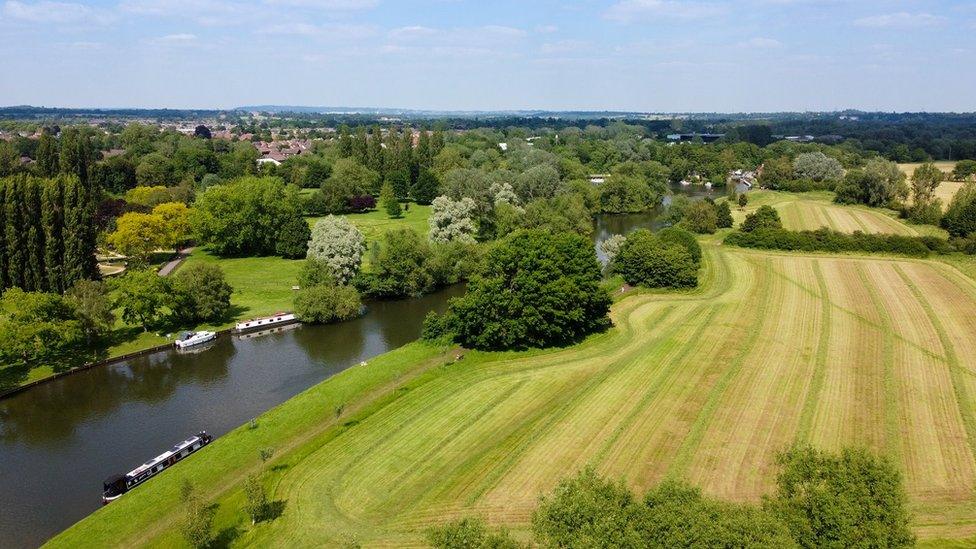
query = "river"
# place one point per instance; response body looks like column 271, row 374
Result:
column 60, row 440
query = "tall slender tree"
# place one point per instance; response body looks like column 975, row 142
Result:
column 4, row 281
column 374, row 154
column 47, row 155
column 360, row 145
column 52, row 212
column 345, row 141
column 35, row 278
column 14, row 232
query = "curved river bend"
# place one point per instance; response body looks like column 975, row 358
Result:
column 59, row 440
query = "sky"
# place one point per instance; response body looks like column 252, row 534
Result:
column 634, row 55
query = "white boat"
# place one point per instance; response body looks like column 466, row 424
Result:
column 265, row 322
column 189, row 339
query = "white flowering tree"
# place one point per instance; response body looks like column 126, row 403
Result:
column 339, row 244
column 452, row 220
column 818, row 167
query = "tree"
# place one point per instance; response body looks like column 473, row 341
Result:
column 339, row 244
column 743, row 200
column 675, row 235
column 700, row 217
column 138, row 235
column 766, row 217
column 155, row 169
column 255, row 500
column 175, row 218
column 469, row 533
column 540, row 181
column 389, row 201
column 535, row 290
column 199, row 292
column 563, row 213
column 325, row 303
column 37, row 328
column 47, row 155
column 611, row 247
column 248, row 217
column 960, row 216
column 349, row 179
column 452, row 220
column 293, row 238
column 141, row 295
column 964, row 169
column 646, row 260
column 93, row 308
column 202, row 132
column 426, row 188
column 878, row 184
column 724, row 215
column 849, row 500
column 626, row 194
column 197, row 524
column 401, row 266
column 925, row 208
column 818, row 167
column 776, row 172
column 400, row 181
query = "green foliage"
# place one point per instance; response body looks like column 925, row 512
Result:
column 646, row 260
column 197, row 523
column 766, row 217
column 960, row 217
column 627, row 194
column 469, row 533
column 818, row 167
column 325, row 303
column 676, row 235
column 255, row 499
column 92, row 306
column 400, row 267
column 293, row 238
column 427, row 187
column 389, row 201
column 700, row 217
column 564, row 213
column 743, row 200
column 348, row 179
column 452, row 220
column 199, row 292
column 878, row 184
column 245, row 217
column 826, row 240
column 723, row 214
column 849, row 500
column 535, row 290
column 37, row 327
column 141, row 296
column 964, row 169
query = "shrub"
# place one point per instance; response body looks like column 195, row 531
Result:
column 724, row 215
column 766, row 217
column 826, row 240
column 646, row 260
column 326, row 303
column 535, row 290
column 960, row 217
column 469, row 533
column 675, row 235
column 700, row 217
column 199, row 292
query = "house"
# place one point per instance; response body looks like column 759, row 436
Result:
column 744, row 179
column 598, row 178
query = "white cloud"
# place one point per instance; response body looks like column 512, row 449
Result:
column 564, row 46
column 55, row 12
column 760, row 42
column 901, row 20
column 179, row 39
column 546, row 29
column 333, row 32
column 626, row 11
column 326, row 4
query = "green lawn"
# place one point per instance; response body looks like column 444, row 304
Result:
column 373, row 224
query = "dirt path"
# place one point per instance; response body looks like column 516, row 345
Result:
column 172, row 265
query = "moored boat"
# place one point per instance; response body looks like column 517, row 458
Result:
column 189, row 339
column 116, row 485
column 278, row 319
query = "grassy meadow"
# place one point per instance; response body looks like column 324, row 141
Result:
column 947, row 189
column 706, row 385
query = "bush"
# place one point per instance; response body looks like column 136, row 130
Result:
column 701, row 217
column 646, row 260
column 826, row 240
column 469, row 533
column 724, row 215
column 675, row 235
column 960, row 217
column 326, row 303
column 536, row 290
column 849, row 500
column 766, row 217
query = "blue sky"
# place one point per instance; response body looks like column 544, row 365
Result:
column 649, row 55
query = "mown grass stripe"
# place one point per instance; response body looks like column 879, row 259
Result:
column 963, row 400
column 812, row 399
column 893, row 442
column 692, row 441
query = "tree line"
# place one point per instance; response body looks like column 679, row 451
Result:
column 48, row 232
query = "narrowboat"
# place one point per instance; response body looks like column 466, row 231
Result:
column 263, row 323
column 116, row 485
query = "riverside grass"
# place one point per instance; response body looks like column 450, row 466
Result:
column 706, row 385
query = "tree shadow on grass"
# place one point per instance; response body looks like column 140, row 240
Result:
column 226, row 537
column 274, row 509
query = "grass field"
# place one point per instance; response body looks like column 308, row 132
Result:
column 373, row 224
column 705, row 386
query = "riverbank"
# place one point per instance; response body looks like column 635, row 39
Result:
column 706, row 385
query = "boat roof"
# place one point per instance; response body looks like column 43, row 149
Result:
column 162, row 457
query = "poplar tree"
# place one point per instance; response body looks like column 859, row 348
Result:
column 3, row 235
column 47, row 155
column 14, row 235
column 374, row 154
column 79, row 251
column 34, row 277
column 423, row 150
column 359, row 145
column 52, row 213
column 345, row 141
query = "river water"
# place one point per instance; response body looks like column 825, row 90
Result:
column 59, row 440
